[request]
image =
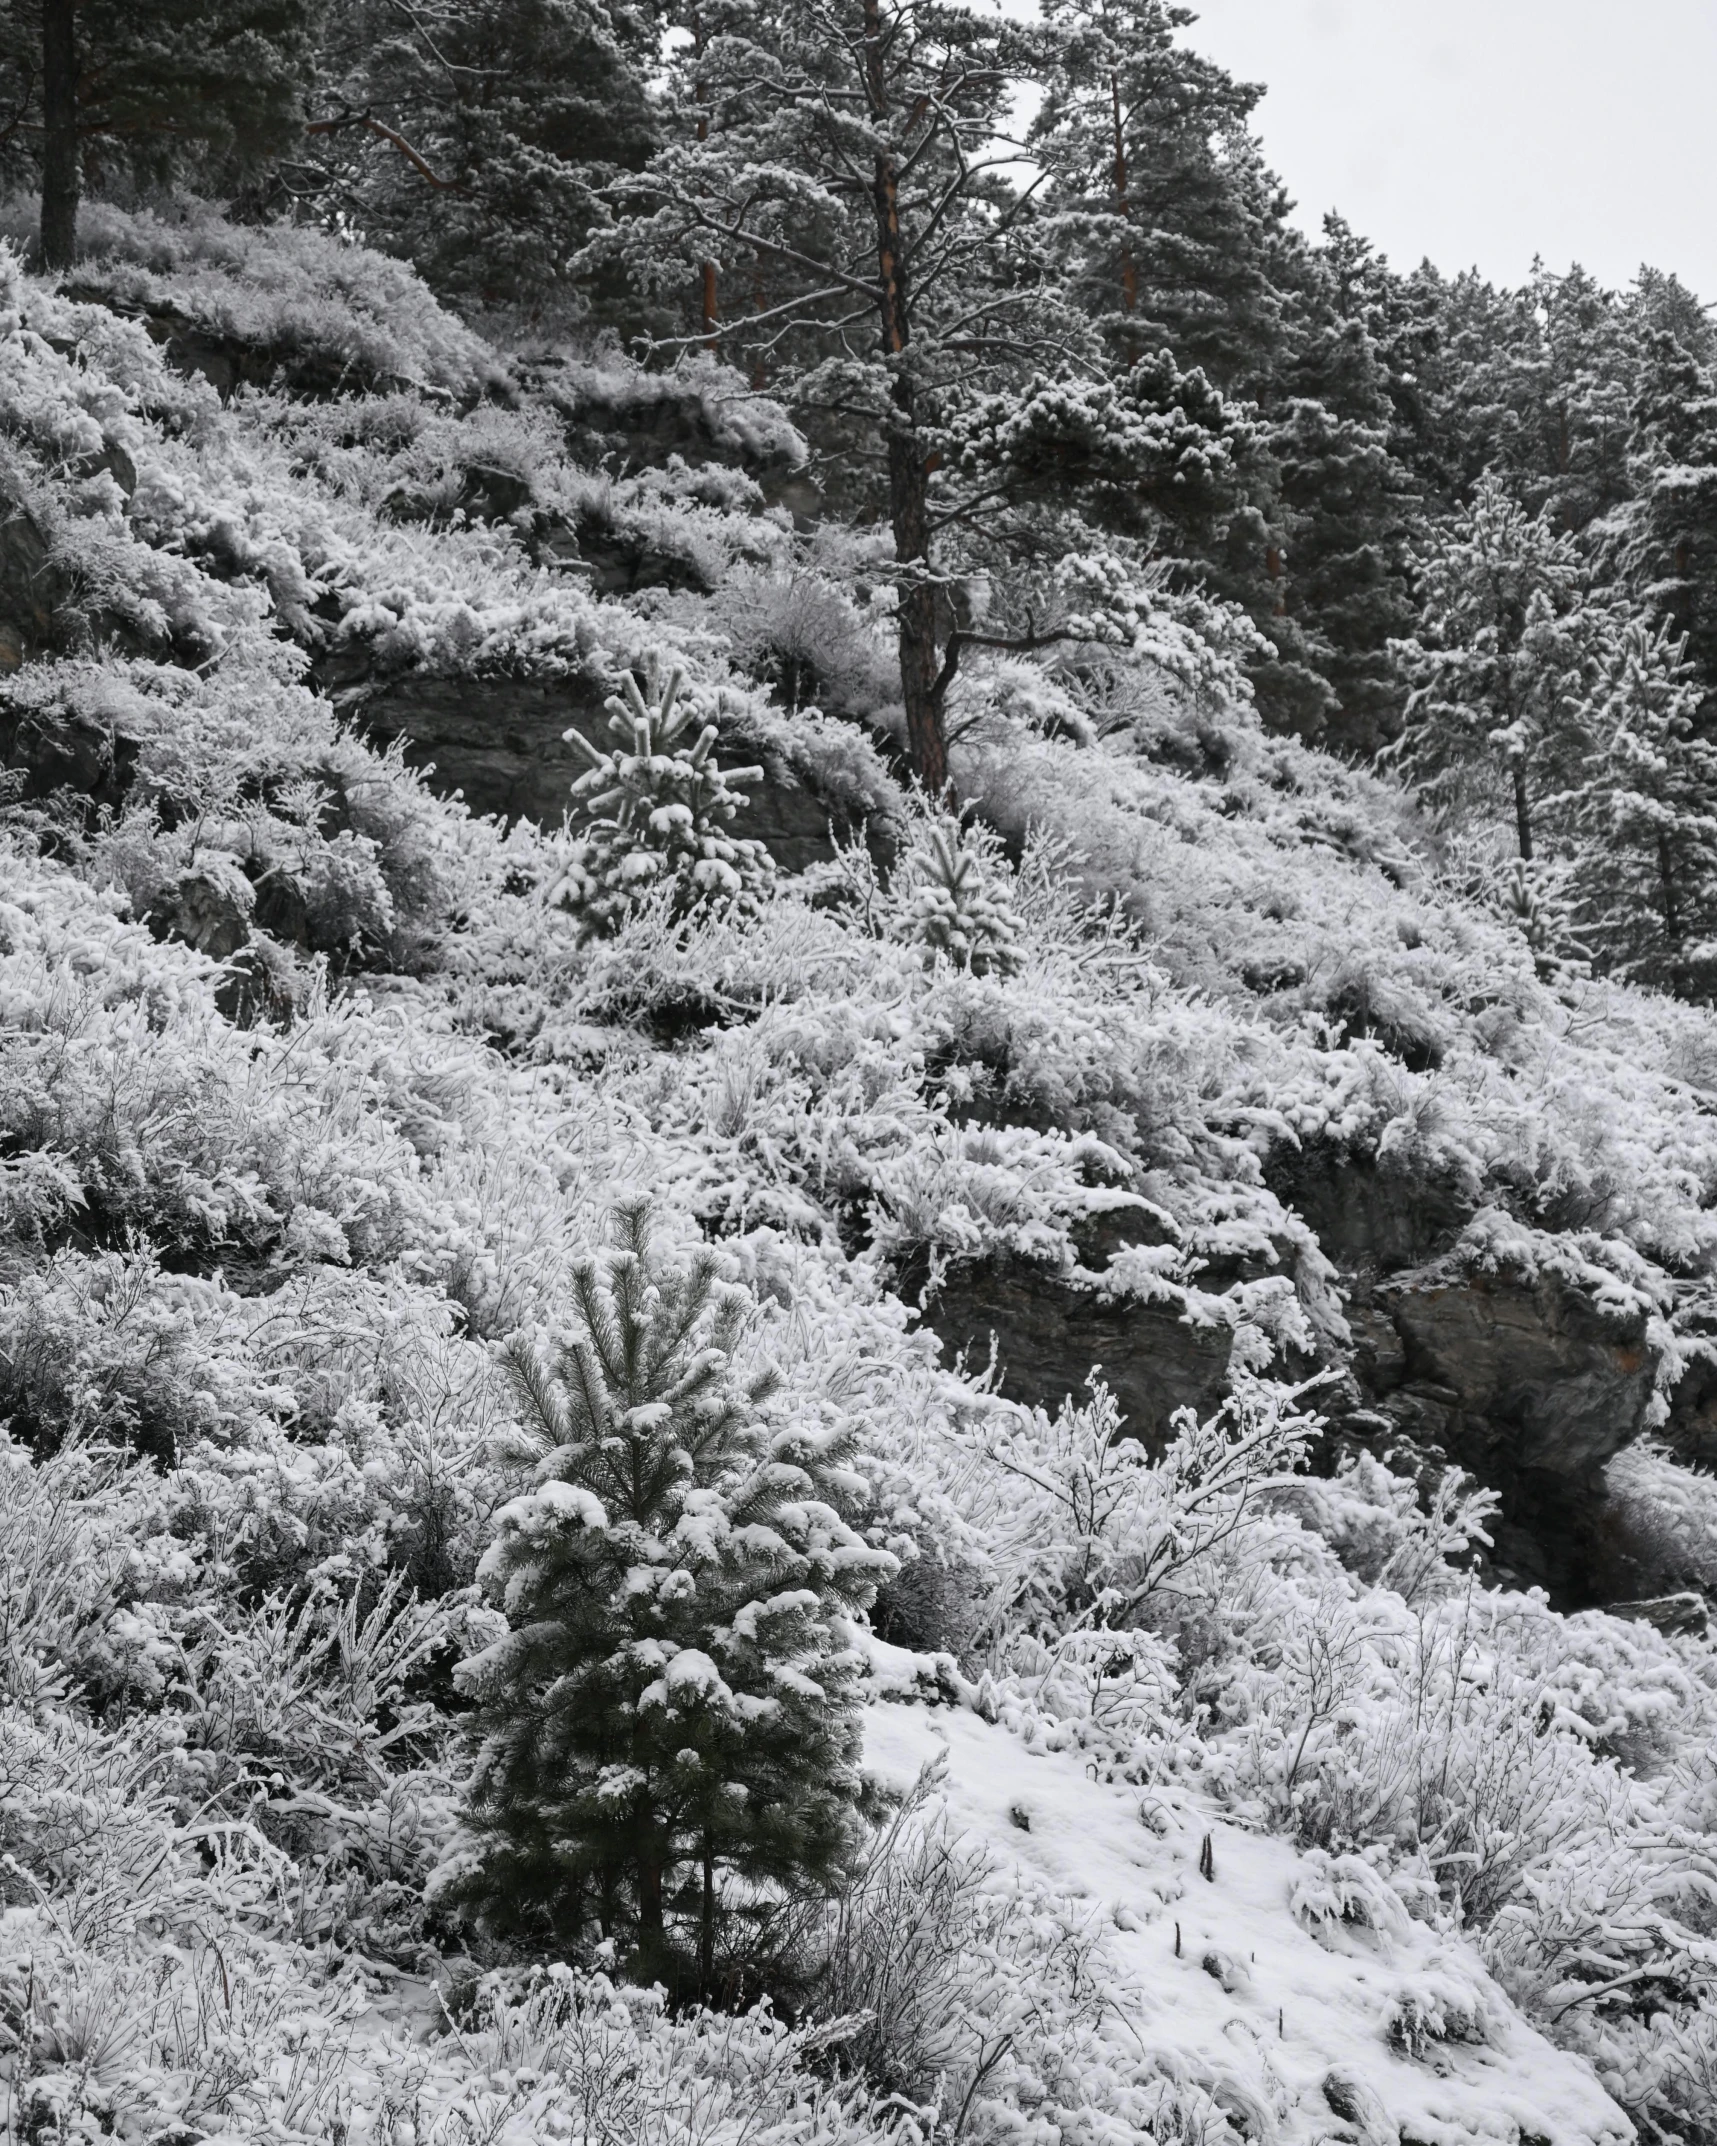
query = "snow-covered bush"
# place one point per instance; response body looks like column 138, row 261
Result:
column 289, row 290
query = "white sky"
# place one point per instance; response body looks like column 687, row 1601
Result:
column 1481, row 132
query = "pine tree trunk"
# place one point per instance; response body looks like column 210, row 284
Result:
column 908, row 478
column 652, row 1933
column 707, row 306
column 1522, row 813
column 61, row 174
column 706, row 1927
column 1671, row 915
column 1129, row 266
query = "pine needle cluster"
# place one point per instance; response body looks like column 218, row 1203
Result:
column 659, row 806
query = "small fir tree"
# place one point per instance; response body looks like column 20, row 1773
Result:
column 659, row 808
column 1534, row 899
column 669, row 1734
column 952, row 900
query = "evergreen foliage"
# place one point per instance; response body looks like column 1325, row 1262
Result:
column 1535, row 900
column 1668, row 543
column 475, row 136
column 1503, row 667
column 308, row 1095
column 159, row 89
column 658, row 809
column 838, row 165
column 951, row 898
column 1642, row 816
column 1160, row 205
column 669, row 1736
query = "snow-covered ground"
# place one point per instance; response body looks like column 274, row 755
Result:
column 1306, row 2024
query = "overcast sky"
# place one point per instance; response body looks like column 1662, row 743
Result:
column 1481, row 132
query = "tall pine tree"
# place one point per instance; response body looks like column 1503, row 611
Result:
column 1161, row 212
column 853, row 193
column 474, row 136
column 1669, row 542
column 1640, row 817
column 1503, row 668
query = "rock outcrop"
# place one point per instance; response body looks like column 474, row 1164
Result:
column 1048, row 1335
column 1524, row 1382
column 501, row 744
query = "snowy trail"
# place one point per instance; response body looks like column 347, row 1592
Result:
column 1278, row 2015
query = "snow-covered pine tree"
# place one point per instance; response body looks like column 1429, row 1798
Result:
column 1501, row 673
column 1641, row 817
column 1535, row 900
column 851, row 191
column 1347, row 505
column 1163, row 216
column 659, row 807
column 668, row 1733
column 1670, row 545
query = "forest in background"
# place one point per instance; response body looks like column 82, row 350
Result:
column 1032, row 294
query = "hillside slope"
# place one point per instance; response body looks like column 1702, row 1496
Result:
column 1378, row 1547
column 1294, row 1990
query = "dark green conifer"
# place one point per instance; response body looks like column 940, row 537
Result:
column 669, row 1734
column 475, row 136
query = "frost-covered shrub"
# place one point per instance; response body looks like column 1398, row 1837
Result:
column 234, row 806
column 935, row 1960
column 108, row 1348
column 290, row 290
column 658, row 809
column 805, row 637
column 699, row 403
column 1665, row 1516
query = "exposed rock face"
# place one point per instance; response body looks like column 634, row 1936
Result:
column 1519, row 1380
column 501, row 743
column 1543, row 1379
column 1526, row 1385
column 1370, row 1220
column 49, row 750
column 1049, row 1335
column 35, row 589
column 1691, row 1433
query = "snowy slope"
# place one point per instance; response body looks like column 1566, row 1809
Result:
column 1306, row 2026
